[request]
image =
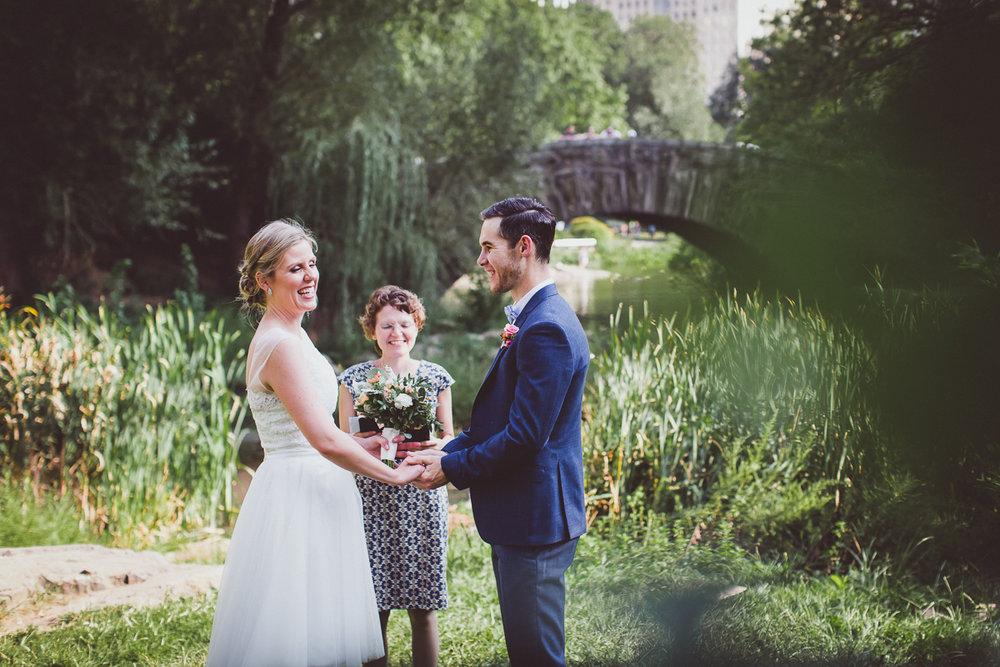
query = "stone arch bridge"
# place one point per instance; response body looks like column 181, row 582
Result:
column 678, row 186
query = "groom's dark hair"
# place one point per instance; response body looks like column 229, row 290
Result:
column 524, row 216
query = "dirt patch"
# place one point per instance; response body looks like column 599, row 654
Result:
column 40, row 584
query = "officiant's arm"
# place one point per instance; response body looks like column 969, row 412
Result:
column 345, row 410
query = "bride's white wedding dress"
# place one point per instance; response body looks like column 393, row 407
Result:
column 296, row 587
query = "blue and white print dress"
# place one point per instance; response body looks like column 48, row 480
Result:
column 406, row 527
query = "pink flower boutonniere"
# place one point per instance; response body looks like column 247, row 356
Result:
column 508, row 335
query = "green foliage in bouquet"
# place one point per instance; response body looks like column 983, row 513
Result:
column 405, row 403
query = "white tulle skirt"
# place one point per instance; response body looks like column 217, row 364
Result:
column 296, row 588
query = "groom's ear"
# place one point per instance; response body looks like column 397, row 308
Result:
column 525, row 246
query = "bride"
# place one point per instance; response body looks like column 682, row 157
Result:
column 296, row 587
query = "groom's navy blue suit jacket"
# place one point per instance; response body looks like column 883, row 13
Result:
column 521, row 457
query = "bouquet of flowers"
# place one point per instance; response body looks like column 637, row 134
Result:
column 397, row 405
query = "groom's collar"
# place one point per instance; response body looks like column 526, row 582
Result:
column 515, row 310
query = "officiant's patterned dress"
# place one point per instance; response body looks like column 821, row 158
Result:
column 406, row 527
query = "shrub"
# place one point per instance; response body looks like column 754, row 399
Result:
column 797, row 432
column 136, row 421
column 27, row 520
column 755, row 400
column 587, row 226
column 470, row 305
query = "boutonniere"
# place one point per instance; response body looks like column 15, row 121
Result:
column 508, row 335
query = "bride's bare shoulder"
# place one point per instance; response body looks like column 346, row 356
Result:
column 269, row 343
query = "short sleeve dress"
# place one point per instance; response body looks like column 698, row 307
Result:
column 406, row 527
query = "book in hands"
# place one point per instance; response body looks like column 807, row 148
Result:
column 359, row 424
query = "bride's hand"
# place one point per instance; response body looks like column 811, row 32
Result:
column 408, row 471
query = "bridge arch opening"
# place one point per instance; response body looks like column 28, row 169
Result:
column 676, row 186
column 739, row 258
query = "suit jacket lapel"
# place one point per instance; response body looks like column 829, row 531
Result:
column 539, row 296
column 494, row 364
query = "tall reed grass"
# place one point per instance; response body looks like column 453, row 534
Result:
column 757, row 395
column 136, row 420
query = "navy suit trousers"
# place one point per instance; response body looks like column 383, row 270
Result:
column 531, row 584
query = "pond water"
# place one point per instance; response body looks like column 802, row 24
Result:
column 595, row 295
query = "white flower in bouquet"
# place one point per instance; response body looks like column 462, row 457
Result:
column 400, row 403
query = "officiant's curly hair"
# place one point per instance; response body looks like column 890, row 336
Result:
column 262, row 254
column 397, row 297
column 525, row 216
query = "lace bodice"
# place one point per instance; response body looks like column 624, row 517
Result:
column 277, row 430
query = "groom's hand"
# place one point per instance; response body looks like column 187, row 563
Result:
column 433, row 477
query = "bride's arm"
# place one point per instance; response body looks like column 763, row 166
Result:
column 288, row 375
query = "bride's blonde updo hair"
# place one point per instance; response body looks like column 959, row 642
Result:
column 262, row 254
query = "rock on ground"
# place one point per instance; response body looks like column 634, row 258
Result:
column 40, row 584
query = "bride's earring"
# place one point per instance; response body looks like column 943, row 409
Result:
column 269, row 291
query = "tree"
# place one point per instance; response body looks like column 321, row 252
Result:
column 473, row 103
column 100, row 147
column 895, row 105
column 364, row 194
column 665, row 96
column 724, row 101
column 144, row 126
column 882, row 117
column 603, row 32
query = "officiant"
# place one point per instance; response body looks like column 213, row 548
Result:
column 406, row 527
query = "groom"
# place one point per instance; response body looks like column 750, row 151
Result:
column 521, row 456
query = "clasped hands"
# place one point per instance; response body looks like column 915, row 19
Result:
column 427, row 453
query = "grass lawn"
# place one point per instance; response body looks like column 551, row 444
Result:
column 634, row 598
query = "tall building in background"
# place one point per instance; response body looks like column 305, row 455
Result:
column 714, row 22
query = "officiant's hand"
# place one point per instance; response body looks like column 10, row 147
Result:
column 434, row 476
column 432, row 443
column 372, row 441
